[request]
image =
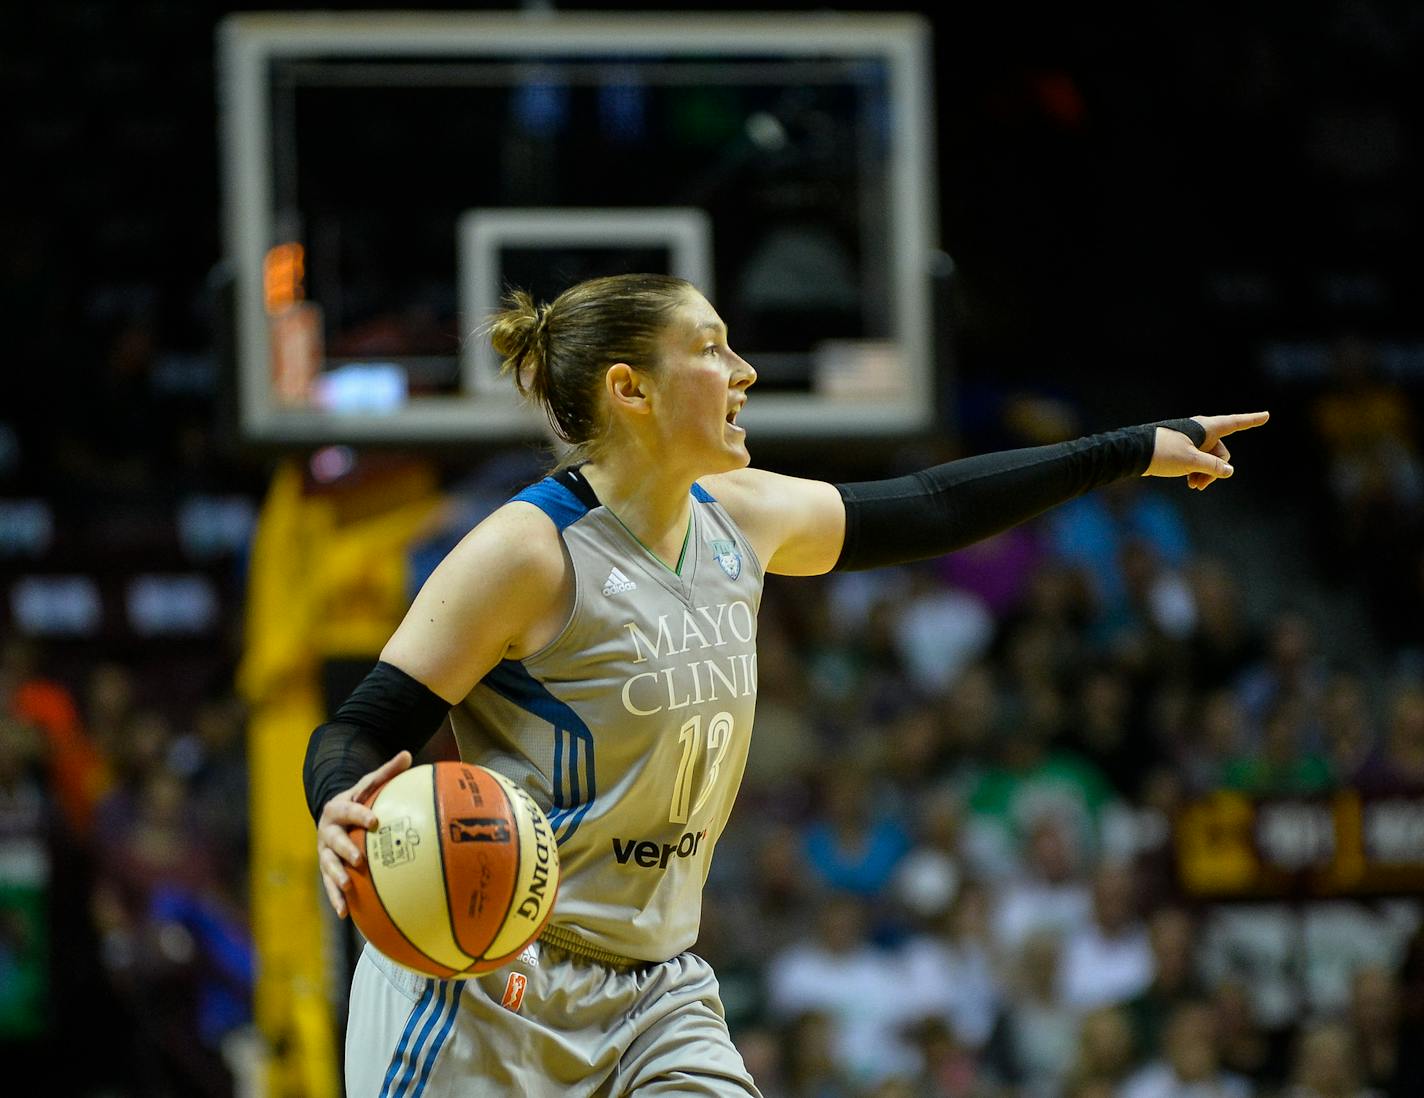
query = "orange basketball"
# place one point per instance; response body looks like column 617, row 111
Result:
column 461, row 873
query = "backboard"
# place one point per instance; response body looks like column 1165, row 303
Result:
column 389, row 177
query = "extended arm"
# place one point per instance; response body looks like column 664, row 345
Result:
column 956, row 504
column 807, row 527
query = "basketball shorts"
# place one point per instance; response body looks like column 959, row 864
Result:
column 549, row 1024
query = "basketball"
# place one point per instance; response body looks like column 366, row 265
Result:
column 460, row 875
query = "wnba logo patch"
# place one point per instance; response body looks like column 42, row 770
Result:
column 514, row 991
column 479, row 829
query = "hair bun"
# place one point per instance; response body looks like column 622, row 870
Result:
column 560, row 363
column 520, row 336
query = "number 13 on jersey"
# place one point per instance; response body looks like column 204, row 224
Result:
column 719, row 739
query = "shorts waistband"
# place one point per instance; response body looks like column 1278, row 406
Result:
column 569, row 942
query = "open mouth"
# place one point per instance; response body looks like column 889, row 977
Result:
column 732, row 418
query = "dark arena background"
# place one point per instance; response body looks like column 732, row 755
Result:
column 1127, row 802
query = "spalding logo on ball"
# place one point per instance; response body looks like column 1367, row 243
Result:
column 460, row 875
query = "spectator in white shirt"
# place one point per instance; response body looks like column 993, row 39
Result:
column 1189, row 1066
column 949, row 971
column 1036, row 1036
column 1108, row 961
column 1050, row 896
column 855, row 985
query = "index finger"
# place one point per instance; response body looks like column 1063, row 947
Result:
column 378, row 777
column 1227, row 425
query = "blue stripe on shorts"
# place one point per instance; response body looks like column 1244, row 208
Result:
column 410, row 1025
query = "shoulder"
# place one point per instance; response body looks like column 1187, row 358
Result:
column 501, row 591
column 744, row 486
column 563, row 499
column 518, row 536
column 524, row 533
column 797, row 525
column 514, row 556
column 753, row 494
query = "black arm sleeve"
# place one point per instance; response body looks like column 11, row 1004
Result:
column 953, row 505
column 387, row 713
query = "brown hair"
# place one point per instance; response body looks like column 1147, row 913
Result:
column 559, row 353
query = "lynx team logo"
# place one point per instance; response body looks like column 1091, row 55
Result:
column 728, row 558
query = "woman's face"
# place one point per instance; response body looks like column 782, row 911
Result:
column 699, row 389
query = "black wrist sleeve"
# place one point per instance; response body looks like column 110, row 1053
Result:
column 953, row 505
column 388, row 712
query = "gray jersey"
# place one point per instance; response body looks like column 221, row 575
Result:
column 630, row 728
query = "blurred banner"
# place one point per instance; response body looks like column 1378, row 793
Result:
column 1230, row 845
column 329, row 580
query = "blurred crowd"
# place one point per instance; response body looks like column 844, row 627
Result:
column 955, row 868
column 952, row 871
column 123, row 866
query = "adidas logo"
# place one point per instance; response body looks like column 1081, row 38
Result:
column 617, row 583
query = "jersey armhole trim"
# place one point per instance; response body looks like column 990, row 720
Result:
column 575, row 611
column 556, row 499
column 562, row 503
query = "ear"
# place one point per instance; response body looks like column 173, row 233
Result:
column 627, row 389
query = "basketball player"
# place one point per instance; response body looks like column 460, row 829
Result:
column 595, row 641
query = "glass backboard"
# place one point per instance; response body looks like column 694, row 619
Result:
column 388, row 177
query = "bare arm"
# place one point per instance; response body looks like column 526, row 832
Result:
column 503, row 592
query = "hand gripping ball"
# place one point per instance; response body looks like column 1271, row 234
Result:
column 460, row 875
